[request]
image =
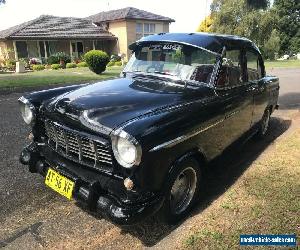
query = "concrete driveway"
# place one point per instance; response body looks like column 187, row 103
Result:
column 33, row 216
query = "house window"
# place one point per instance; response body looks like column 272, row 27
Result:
column 149, row 28
column 21, row 47
column 42, row 49
column 77, row 48
column 139, row 28
column 144, row 29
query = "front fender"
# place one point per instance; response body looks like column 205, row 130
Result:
column 36, row 98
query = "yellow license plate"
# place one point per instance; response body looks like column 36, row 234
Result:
column 59, row 183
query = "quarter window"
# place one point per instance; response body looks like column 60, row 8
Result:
column 253, row 66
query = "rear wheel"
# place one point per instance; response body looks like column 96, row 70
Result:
column 264, row 124
column 181, row 191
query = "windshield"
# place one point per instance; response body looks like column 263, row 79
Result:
column 172, row 59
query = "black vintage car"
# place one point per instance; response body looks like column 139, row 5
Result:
column 131, row 146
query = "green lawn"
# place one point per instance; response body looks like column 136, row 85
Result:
column 265, row 200
column 282, row 64
column 82, row 75
column 52, row 77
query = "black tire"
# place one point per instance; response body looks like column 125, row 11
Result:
column 171, row 213
column 264, row 125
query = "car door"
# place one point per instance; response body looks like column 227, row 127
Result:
column 255, row 78
column 236, row 97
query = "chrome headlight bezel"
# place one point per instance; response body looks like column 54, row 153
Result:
column 26, row 104
column 115, row 138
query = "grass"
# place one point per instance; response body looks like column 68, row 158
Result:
column 52, row 77
column 82, row 75
column 265, row 200
column 282, row 64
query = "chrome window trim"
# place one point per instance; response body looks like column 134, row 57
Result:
column 182, row 138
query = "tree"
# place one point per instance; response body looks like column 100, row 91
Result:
column 237, row 18
column 205, row 25
column 2, row 1
column 258, row 4
column 272, row 46
column 288, row 12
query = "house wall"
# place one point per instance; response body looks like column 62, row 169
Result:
column 126, row 33
column 119, row 29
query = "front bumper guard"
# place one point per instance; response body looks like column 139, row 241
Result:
column 92, row 196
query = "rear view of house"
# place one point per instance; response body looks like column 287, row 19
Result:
column 110, row 31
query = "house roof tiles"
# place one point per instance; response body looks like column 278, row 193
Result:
column 52, row 27
column 128, row 13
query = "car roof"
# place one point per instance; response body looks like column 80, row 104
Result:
column 209, row 41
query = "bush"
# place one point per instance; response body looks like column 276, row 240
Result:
column 71, row 65
column 111, row 63
column 115, row 58
column 38, row 67
column 82, row 65
column 118, row 63
column 58, row 57
column 55, row 66
column 10, row 65
column 96, row 60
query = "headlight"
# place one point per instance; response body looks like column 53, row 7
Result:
column 126, row 149
column 27, row 110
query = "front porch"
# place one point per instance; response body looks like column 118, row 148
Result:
column 43, row 49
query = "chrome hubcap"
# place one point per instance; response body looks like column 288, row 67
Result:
column 265, row 123
column 183, row 190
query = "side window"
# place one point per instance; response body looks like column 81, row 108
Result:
column 254, row 70
column 231, row 72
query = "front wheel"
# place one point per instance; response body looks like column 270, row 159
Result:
column 181, row 190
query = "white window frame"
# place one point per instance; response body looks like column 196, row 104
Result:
column 145, row 33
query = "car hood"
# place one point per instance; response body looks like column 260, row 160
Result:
column 111, row 103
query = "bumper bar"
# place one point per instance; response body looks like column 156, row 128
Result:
column 93, row 196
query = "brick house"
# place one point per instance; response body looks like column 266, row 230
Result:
column 110, row 31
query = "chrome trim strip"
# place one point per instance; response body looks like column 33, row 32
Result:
column 182, row 138
column 96, row 126
column 232, row 114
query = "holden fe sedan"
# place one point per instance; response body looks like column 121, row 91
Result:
column 129, row 147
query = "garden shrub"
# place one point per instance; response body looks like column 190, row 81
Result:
column 115, row 58
column 38, row 67
column 58, row 57
column 10, row 65
column 111, row 63
column 118, row 63
column 82, row 65
column 96, row 60
column 55, row 66
column 71, row 65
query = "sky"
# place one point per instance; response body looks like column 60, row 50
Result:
column 188, row 14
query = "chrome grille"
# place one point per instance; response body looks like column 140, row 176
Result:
column 78, row 147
